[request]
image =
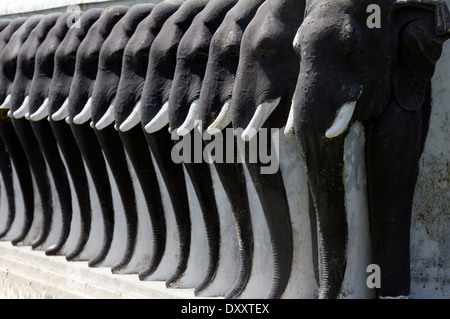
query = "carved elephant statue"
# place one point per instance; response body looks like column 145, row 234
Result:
column 352, row 73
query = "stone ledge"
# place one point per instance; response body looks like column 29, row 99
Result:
column 25, row 273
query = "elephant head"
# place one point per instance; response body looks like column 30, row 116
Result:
column 44, row 67
column 223, row 60
column 64, row 66
column 110, row 64
column 9, row 57
column 134, row 65
column 267, row 61
column 26, row 62
column 161, row 68
column 192, row 58
column 87, row 59
column 8, row 30
column 376, row 73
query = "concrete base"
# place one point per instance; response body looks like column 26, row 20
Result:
column 25, row 273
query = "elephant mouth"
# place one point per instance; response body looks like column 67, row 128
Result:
column 160, row 120
column 263, row 112
column 107, row 118
column 42, row 112
column 223, row 119
column 343, row 118
column 191, row 120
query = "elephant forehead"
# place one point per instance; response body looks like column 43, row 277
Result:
column 339, row 29
column 196, row 41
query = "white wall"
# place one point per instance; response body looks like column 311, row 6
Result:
column 13, row 8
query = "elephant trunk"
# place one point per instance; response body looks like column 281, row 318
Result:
column 319, row 127
column 23, row 171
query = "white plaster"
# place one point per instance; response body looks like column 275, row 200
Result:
column 302, row 283
column 75, row 223
column 359, row 251
column 16, row 226
column 198, row 257
column 95, row 241
column 228, row 269
column 169, row 261
column 430, row 229
column 38, row 217
column 119, row 239
column 143, row 248
column 56, row 222
column 4, row 209
column 260, row 280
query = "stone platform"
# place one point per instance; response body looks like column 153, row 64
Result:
column 25, row 273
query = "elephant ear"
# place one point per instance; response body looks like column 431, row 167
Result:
column 420, row 47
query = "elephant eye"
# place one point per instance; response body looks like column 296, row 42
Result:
column 266, row 55
column 171, row 53
column 117, row 55
column 199, row 55
column 232, row 52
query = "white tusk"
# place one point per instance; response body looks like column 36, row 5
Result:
column 342, row 120
column 41, row 113
column 222, row 120
column 9, row 114
column 159, row 121
column 261, row 115
column 85, row 114
column 62, row 113
column 107, row 118
column 132, row 120
column 190, row 121
column 22, row 110
column 5, row 104
column 289, row 129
